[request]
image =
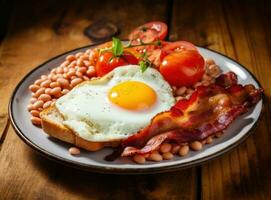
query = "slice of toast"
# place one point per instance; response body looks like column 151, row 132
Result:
column 52, row 124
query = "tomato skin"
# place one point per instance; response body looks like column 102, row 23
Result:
column 178, row 46
column 183, row 68
column 107, row 62
column 153, row 31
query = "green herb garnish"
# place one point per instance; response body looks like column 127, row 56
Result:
column 117, row 48
column 145, row 63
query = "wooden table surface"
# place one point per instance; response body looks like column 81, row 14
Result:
column 39, row 30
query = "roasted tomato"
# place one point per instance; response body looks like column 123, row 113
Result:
column 178, row 46
column 182, row 68
column 107, row 62
column 156, row 56
column 149, row 32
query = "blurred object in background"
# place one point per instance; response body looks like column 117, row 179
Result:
column 101, row 30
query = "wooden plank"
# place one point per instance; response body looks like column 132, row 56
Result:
column 55, row 28
column 251, row 179
column 244, row 173
column 201, row 23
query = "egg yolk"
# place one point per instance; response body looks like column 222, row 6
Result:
column 132, row 95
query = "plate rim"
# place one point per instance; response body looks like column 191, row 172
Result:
column 113, row 170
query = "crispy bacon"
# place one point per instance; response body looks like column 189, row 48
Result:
column 226, row 80
column 209, row 110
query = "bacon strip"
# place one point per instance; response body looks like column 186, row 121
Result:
column 209, row 110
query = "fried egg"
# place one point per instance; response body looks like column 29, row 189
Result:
column 117, row 105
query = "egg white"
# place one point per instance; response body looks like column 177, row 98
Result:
column 88, row 112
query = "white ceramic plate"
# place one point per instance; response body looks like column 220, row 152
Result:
column 57, row 150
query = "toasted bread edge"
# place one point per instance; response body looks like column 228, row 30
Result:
column 59, row 131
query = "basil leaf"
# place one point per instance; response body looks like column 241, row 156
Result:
column 117, row 47
column 144, row 65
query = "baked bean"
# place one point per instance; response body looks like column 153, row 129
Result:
column 38, row 82
column 44, row 97
column 165, row 147
column 180, row 91
column 45, row 83
column 78, row 54
column 50, row 76
column 86, row 63
column 58, row 95
column 33, row 100
column 73, row 77
column 47, row 104
column 63, row 82
column 36, row 120
column 84, row 57
column 167, row 156
column 76, row 81
column 43, row 77
column 85, row 78
column 78, row 74
column 59, row 70
column 59, row 76
column 65, row 69
column 183, row 150
column 65, row 91
column 53, row 71
column 65, row 63
column 70, row 58
column 197, row 84
column 210, row 61
column 38, row 104
column 79, row 62
column 203, row 142
column 53, row 103
column 33, row 88
column 71, row 72
column 179, row 98
column 88, row 51
column 30, row 107
column 91, row 71
column 146, row 155
column 65, row 76
column 55, row 91
column 82, row 70
column 39, row 92
column 54, row 84
column 213, row 70
column 209, row 140
column 218, row 134
column 53, row 77
column 196, row 145
column 139, row 159
column 175, row 149
column 47, row 91
column 155, row 157
column 35, row 113
column 74, row 151
column 72, row 64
